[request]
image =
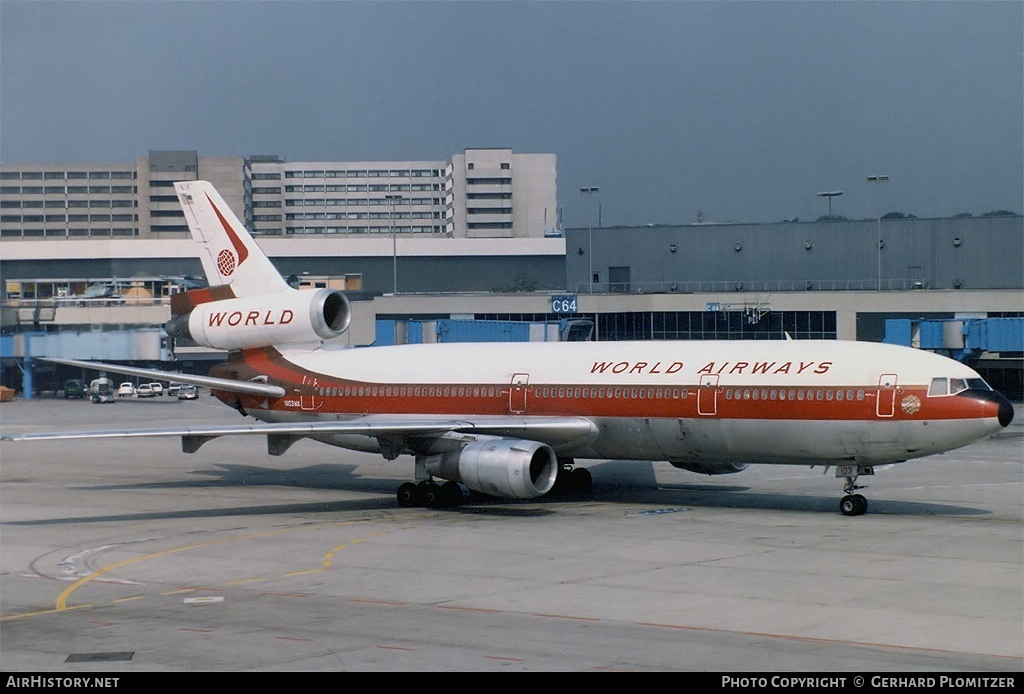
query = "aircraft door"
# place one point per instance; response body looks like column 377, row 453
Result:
column 707, row 395
column 885, row 403
column 517, row 393
column 308, row 401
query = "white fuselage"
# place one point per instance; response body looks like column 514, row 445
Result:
column 805, row 402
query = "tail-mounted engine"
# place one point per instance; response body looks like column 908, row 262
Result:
column 293, row 316
column 507, row 468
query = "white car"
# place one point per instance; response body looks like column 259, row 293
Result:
column 158, row 388
column 125, row 390
column 145, row 390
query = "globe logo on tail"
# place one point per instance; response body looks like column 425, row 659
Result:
column 226, row 262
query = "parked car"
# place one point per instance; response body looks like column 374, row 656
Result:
column 188, row 393
column 158, row 388
column 75, row 389
column 145, row 390
column 126, row 390
column 172, row 389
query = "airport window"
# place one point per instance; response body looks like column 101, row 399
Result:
column 77, row 175
column 32, row 176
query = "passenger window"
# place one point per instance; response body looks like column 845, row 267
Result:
column 938, row 387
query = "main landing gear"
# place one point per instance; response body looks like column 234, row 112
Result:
column 853, row 504
column 430, row 494
column 572, row 481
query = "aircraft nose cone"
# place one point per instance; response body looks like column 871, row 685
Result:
column 1005, row 413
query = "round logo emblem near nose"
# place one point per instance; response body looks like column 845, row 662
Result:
column 226, row 262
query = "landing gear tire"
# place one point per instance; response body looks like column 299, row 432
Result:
column 573, row 482
column 408, row 495
column 582, row 481
column 451, row 493
column 853, row 505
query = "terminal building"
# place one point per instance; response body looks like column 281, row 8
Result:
column 91, row 254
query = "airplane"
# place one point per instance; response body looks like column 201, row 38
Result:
column 511, row 420
column 93, row 293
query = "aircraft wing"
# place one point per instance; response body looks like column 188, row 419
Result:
column 226, row 384
column 396, row 430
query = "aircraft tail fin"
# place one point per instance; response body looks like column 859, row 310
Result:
column 228, row 252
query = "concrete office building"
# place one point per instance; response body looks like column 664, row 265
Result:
column 479, row 193
column 408, row 226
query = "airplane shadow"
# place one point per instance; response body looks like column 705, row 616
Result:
column 615, row 482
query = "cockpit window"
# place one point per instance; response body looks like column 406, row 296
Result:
column 952, row 386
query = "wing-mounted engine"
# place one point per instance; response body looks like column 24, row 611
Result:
column 288, row 317
column 710, row 468
column 506, row 468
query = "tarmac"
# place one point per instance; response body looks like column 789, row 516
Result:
column 127, row 555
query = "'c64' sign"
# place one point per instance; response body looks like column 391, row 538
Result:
column 564, row 303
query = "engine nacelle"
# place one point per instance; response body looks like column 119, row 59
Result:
column 711, row 468
column 293, row 316
column 507, row 468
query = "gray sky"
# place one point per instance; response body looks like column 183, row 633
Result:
column 742, row 110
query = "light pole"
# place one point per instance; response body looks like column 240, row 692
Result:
column 590, row 234
column 394, row 244
column 830, row 195
column 878, row 179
